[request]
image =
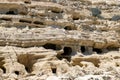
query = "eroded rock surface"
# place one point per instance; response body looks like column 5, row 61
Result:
column 59, row 40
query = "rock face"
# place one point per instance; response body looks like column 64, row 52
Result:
column 59, row 40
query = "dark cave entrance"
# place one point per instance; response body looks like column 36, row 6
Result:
column 27, row 69
column 2, row 62
column 54, row 70
column 82, row 49
column 4, row 69
column 66, row 54
column 12, row 12
column 76, row 18
column 67, row 51
column 27, row 2
column 25, row 21
column 52, row 46
column 17, row 72
column 38, row 22
column 67, row 28
column 98, row 51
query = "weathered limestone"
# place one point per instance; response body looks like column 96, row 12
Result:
column 13, row 8
column 59, row 39
column 14, row 1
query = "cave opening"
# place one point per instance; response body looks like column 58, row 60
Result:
column 83, row 49
column 56, row 11
column 67, row 51
column 25, row 21
column 68, row 28
column 99, row 51
column 117, row 65
column 27, row 69
column 4, row 69
column 12, row 12
column 6, row 19
column 76, row 18
column 27, row 2
column 38, row 22
column 52, row 46
column 2, row 62
column 16, row 72
column 54, row 70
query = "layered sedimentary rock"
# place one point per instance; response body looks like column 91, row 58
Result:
column 59, row 39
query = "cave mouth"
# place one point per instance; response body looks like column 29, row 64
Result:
column 25, row 21
column 67, row 28
column 17, row 72
column 4, row 69
column 12, row 12
column 54, row 70
column 76, row 18
column 6, row 19
column 83, row 49
column 52, row 46
column 67, row 51
column 27, row 2
column 99, row 51
column 38, row 22
column 2, row 62
column 56, row 11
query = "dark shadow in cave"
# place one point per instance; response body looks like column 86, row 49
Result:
column 4, row 69
column 52, row 46
column 67, row 28
column 83, row 49
column 17, row 72
column 98, row 51
column 12, row 12
column 67, row 51
column 2, row 62
column 66, row 54
column 54, row 70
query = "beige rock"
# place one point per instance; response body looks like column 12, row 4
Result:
column 13, row 8
column 59, row 39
